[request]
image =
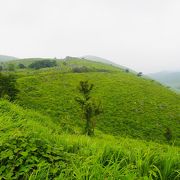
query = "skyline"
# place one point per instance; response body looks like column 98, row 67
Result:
column 141, row 35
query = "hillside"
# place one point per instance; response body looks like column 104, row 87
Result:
column 7, row 58
column 99, row 59
column 32, row 146
column 41, row 132
column 133, row 107
column 171, row 79
column 105, row 61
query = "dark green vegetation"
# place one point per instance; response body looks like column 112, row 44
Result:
column 8, row 87
column 32, row 146
column 41, row 135
column 171, row 79
column 21, row 66
column 43, row 64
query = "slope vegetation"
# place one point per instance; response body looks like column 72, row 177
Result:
column 133, row 106
column 33, row 147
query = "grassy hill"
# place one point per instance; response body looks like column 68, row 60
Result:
column 32, row 146
column 41, row 133
column 171, row 79
column 133, row 106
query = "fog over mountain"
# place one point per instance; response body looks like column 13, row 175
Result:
column 171, row 79
column 6, row 58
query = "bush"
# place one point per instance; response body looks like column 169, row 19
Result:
column 24, row 155
column 127, row 70
column 43, row 64
column 8, row 86
column 140, row 74
column 83, row 69
column 168, row 134
column 80, row 69
column 21, row 66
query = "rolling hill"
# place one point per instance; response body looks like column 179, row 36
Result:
column 41, row 132
column 171, row 79
column 133, row 106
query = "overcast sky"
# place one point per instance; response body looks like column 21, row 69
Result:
column 141, row 34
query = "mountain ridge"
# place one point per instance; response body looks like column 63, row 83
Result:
column 169, row 78
column 7, row 58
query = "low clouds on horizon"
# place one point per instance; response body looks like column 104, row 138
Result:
column 142, row 35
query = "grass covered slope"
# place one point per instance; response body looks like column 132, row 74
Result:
column 133, row 106
column 33, row 147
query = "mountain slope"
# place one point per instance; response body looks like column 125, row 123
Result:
column 133, row 106
column 7, row 58
column 105, row 61
column 33, row 147
column 41, row 134
column 171, row 79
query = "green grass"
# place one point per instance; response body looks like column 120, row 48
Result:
column 32, row 147
column 133, row 106
column 41, row 133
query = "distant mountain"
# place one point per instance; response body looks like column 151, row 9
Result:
column 105, row 61
column 7, row 58
column 171, row 79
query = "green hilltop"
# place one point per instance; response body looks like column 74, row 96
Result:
column 41, row 132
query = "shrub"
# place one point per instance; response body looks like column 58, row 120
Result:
column 8, row 86
column 80, row 69
column 21, row 66
column 126, row 70
column 140, row 74
column 43, row 64
column 168, row 134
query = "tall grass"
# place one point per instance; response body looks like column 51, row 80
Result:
column 98, row 158
column 40, row 150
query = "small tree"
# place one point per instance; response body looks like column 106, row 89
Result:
column 8, row 86
column 90, row 108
